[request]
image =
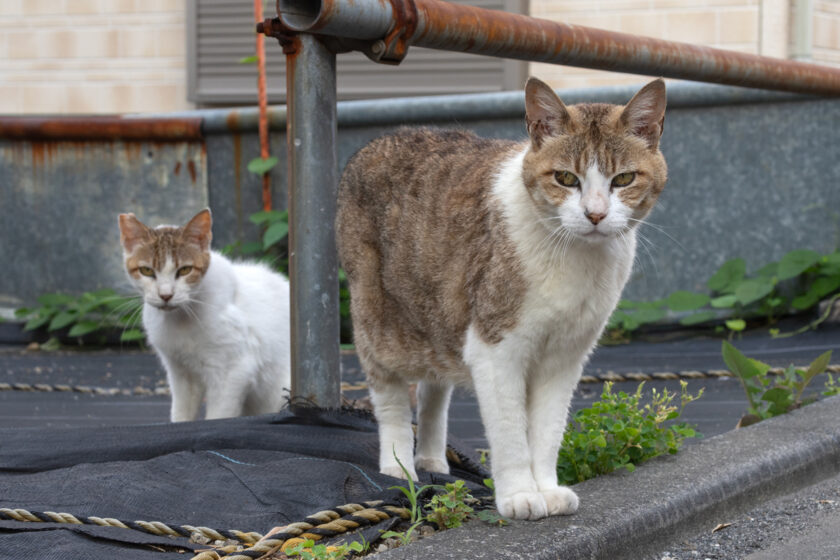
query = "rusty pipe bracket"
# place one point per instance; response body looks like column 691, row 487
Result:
column 273, row 27
column 394, row 47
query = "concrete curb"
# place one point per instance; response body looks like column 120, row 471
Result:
column 636, row 515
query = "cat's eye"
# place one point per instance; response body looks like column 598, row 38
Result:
column 146, row 271
column 566, row 178
column 623, row 179
column 183, row 271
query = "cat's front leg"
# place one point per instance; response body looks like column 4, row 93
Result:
column 392, row 407
column 499, row 373
column 432, row 415
column 550, row 392
column 186, row 392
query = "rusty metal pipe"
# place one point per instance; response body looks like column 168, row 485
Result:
column 311, row 134
column 101, row 128
column 454, row 27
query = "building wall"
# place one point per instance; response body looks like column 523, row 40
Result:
column 122, row 56
column 726, row 24
column 92, row 56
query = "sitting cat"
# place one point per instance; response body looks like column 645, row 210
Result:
column 220, row 328
column 496, row 264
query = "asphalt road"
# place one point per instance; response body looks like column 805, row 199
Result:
column 718, row 411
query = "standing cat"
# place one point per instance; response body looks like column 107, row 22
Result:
column 221, row 329
column 498, row 264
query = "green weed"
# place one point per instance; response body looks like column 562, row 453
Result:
column 771, row 395
column 618, row 432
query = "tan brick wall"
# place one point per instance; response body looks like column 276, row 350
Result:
column 92, row 56
column 826, row 32
column 726, row 24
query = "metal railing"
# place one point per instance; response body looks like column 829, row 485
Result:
column 313, row 31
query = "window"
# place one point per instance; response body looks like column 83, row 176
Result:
column 221, row 32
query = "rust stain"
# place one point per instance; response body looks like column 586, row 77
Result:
column 101, row 128
column 191, row 169
column 177, row 168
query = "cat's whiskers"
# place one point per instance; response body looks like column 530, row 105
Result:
column 646, row 245
column 660, row 229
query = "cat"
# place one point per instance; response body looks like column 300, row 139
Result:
column 221, row 329
column 495, row 264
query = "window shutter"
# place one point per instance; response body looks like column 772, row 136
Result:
column 221, row 32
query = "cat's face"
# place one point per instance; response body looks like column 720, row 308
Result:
column 166, row 263
column 594, row 171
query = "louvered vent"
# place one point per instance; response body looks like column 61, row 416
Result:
column 221, row 32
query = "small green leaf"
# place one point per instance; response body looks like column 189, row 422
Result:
column 817, row 366
column 753, row 289
column 600, row 441
column 739, row 364
column 779, row 396
column 55, row 300
column 686, row 301
column 736, row 325
column 274, row 234
column 131, row 335
column 724, row 302
column 698, row 318
column 260, row 166
column 727, row 276
column 797, row 262
column 62, row 320
column 249, row 59
column 37, row 322
column 83, row 327
column 264, row 216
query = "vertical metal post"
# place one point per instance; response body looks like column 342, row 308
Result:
column 313, row 183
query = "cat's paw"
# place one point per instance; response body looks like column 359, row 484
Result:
column 431, row 465
column 560, row 500
column 522, row 505
column 397, row 472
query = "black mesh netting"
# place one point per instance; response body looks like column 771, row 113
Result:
column 248, row 474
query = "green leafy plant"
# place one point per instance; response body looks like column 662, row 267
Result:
column 449, row 509
column 771, row 395
column 832, row 387
column 619, row 432
column 89, row 313
column 796, row 283
column 412, row 493
column 308, row 550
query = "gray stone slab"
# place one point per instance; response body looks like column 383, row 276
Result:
column 635, row 515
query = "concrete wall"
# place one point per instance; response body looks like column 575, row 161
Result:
column 752, row 174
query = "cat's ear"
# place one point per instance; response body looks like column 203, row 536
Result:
column 545, row 114
column 199, row 230
column 132, row 232
column 644, row 115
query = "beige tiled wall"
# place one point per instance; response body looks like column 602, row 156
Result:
column 826, row 41
column 726, row 24
column 92, row 56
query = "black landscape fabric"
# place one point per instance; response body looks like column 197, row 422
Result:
column 247, row 474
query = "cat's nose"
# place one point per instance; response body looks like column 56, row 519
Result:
column 595, row 217
column 166, row 298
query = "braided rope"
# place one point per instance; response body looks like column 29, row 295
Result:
column 85, row 389
column 675, row 375
column 320, row 525
column 599, row 378
column 152, row 527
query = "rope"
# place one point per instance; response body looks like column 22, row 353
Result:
column 598, row 378
column 151, row 527
column 322, row 525
column 86, row 389
column 675, row 375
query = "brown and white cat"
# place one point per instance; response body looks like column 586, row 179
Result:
column 495, row 264
column 220, row 328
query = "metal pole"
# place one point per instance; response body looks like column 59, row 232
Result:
column 313, row 183
column 455, row 27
